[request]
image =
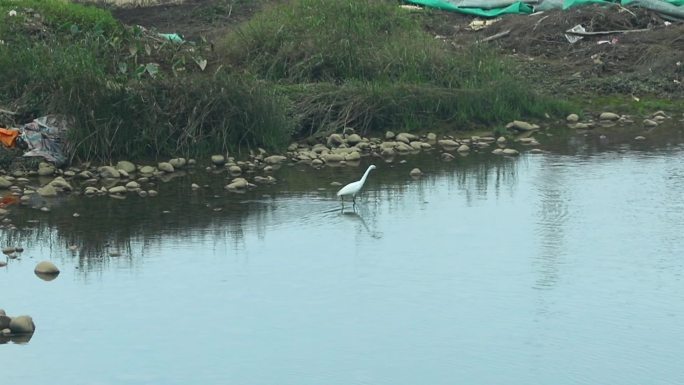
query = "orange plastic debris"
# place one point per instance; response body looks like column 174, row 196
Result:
column 8, row 137
column 8, row 200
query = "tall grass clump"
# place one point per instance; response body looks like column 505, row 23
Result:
column 191, row 115
column 128, row 92
column 370, row 64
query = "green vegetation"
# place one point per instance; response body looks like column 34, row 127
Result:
column 299, row 68
column 370, row 65
column 129, row 92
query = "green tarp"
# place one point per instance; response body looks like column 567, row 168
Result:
column 516, row 8
column 489, row 8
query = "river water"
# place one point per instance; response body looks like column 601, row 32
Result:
column 558, row 268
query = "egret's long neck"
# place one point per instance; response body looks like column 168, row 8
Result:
column 365, row 175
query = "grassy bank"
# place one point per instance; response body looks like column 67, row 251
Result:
column 371, row 65
column 294, row 69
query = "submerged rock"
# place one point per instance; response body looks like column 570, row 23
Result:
column 415, row 172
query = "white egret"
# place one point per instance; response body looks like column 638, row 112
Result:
column 354, row 187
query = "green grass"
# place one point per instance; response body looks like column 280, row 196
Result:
column 129, row 93
column 370, row 65
column 298, row 68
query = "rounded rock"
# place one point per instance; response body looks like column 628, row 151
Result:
column 166, row 167
column 609, row 116
column 46, row 267
column 22, row 324
column 218, row 160
column 126, row 166
column 416, row 172
column 572, row 118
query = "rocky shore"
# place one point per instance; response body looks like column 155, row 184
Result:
column 348, row 148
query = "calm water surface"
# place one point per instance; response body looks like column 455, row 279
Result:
column 562, row 268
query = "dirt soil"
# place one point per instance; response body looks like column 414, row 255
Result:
column 640, row 64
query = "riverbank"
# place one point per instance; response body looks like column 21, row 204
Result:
column 134, row 92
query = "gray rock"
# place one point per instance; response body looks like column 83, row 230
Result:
column 46, row 267
column 2, row 312
column 335, row 140
column 178, row 162
column 389, row 135
column 126, row 166
column 8, row 250
column 194, row 186
column 147, row 170
column 61, row 184
column 498, row 151
column 519, row 125
column 354, row 139
column 572, row 118
column 45, row 169
column 650, row 123
column 22, row 324
column 109, row 172
column 609, row 116
column 448, row 143
column 447, row 157
column 332, row 158
column 142, row 193
column 275, row 159
column 416, row 145
column 4, row 321
column 403, row 147
column 415, row 172
column 237, row 184
column 639, row 138
column 352, row 156
column 152, row 193
column 47, row 191
column 510, row 151
column 117, row 190
column 218, row 160
column 4, row 183
column 132, row 185
column 166, row 167
column 463, row 148
column 235, row 169
column 501, row 140
column 431, row 137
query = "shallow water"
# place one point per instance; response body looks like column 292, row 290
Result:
column 559, row 268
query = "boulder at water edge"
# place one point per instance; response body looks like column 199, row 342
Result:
column 22, row 324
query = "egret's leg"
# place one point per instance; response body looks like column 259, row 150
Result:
column 354, row 201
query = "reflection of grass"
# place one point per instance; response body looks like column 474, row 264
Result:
column 134, row 225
